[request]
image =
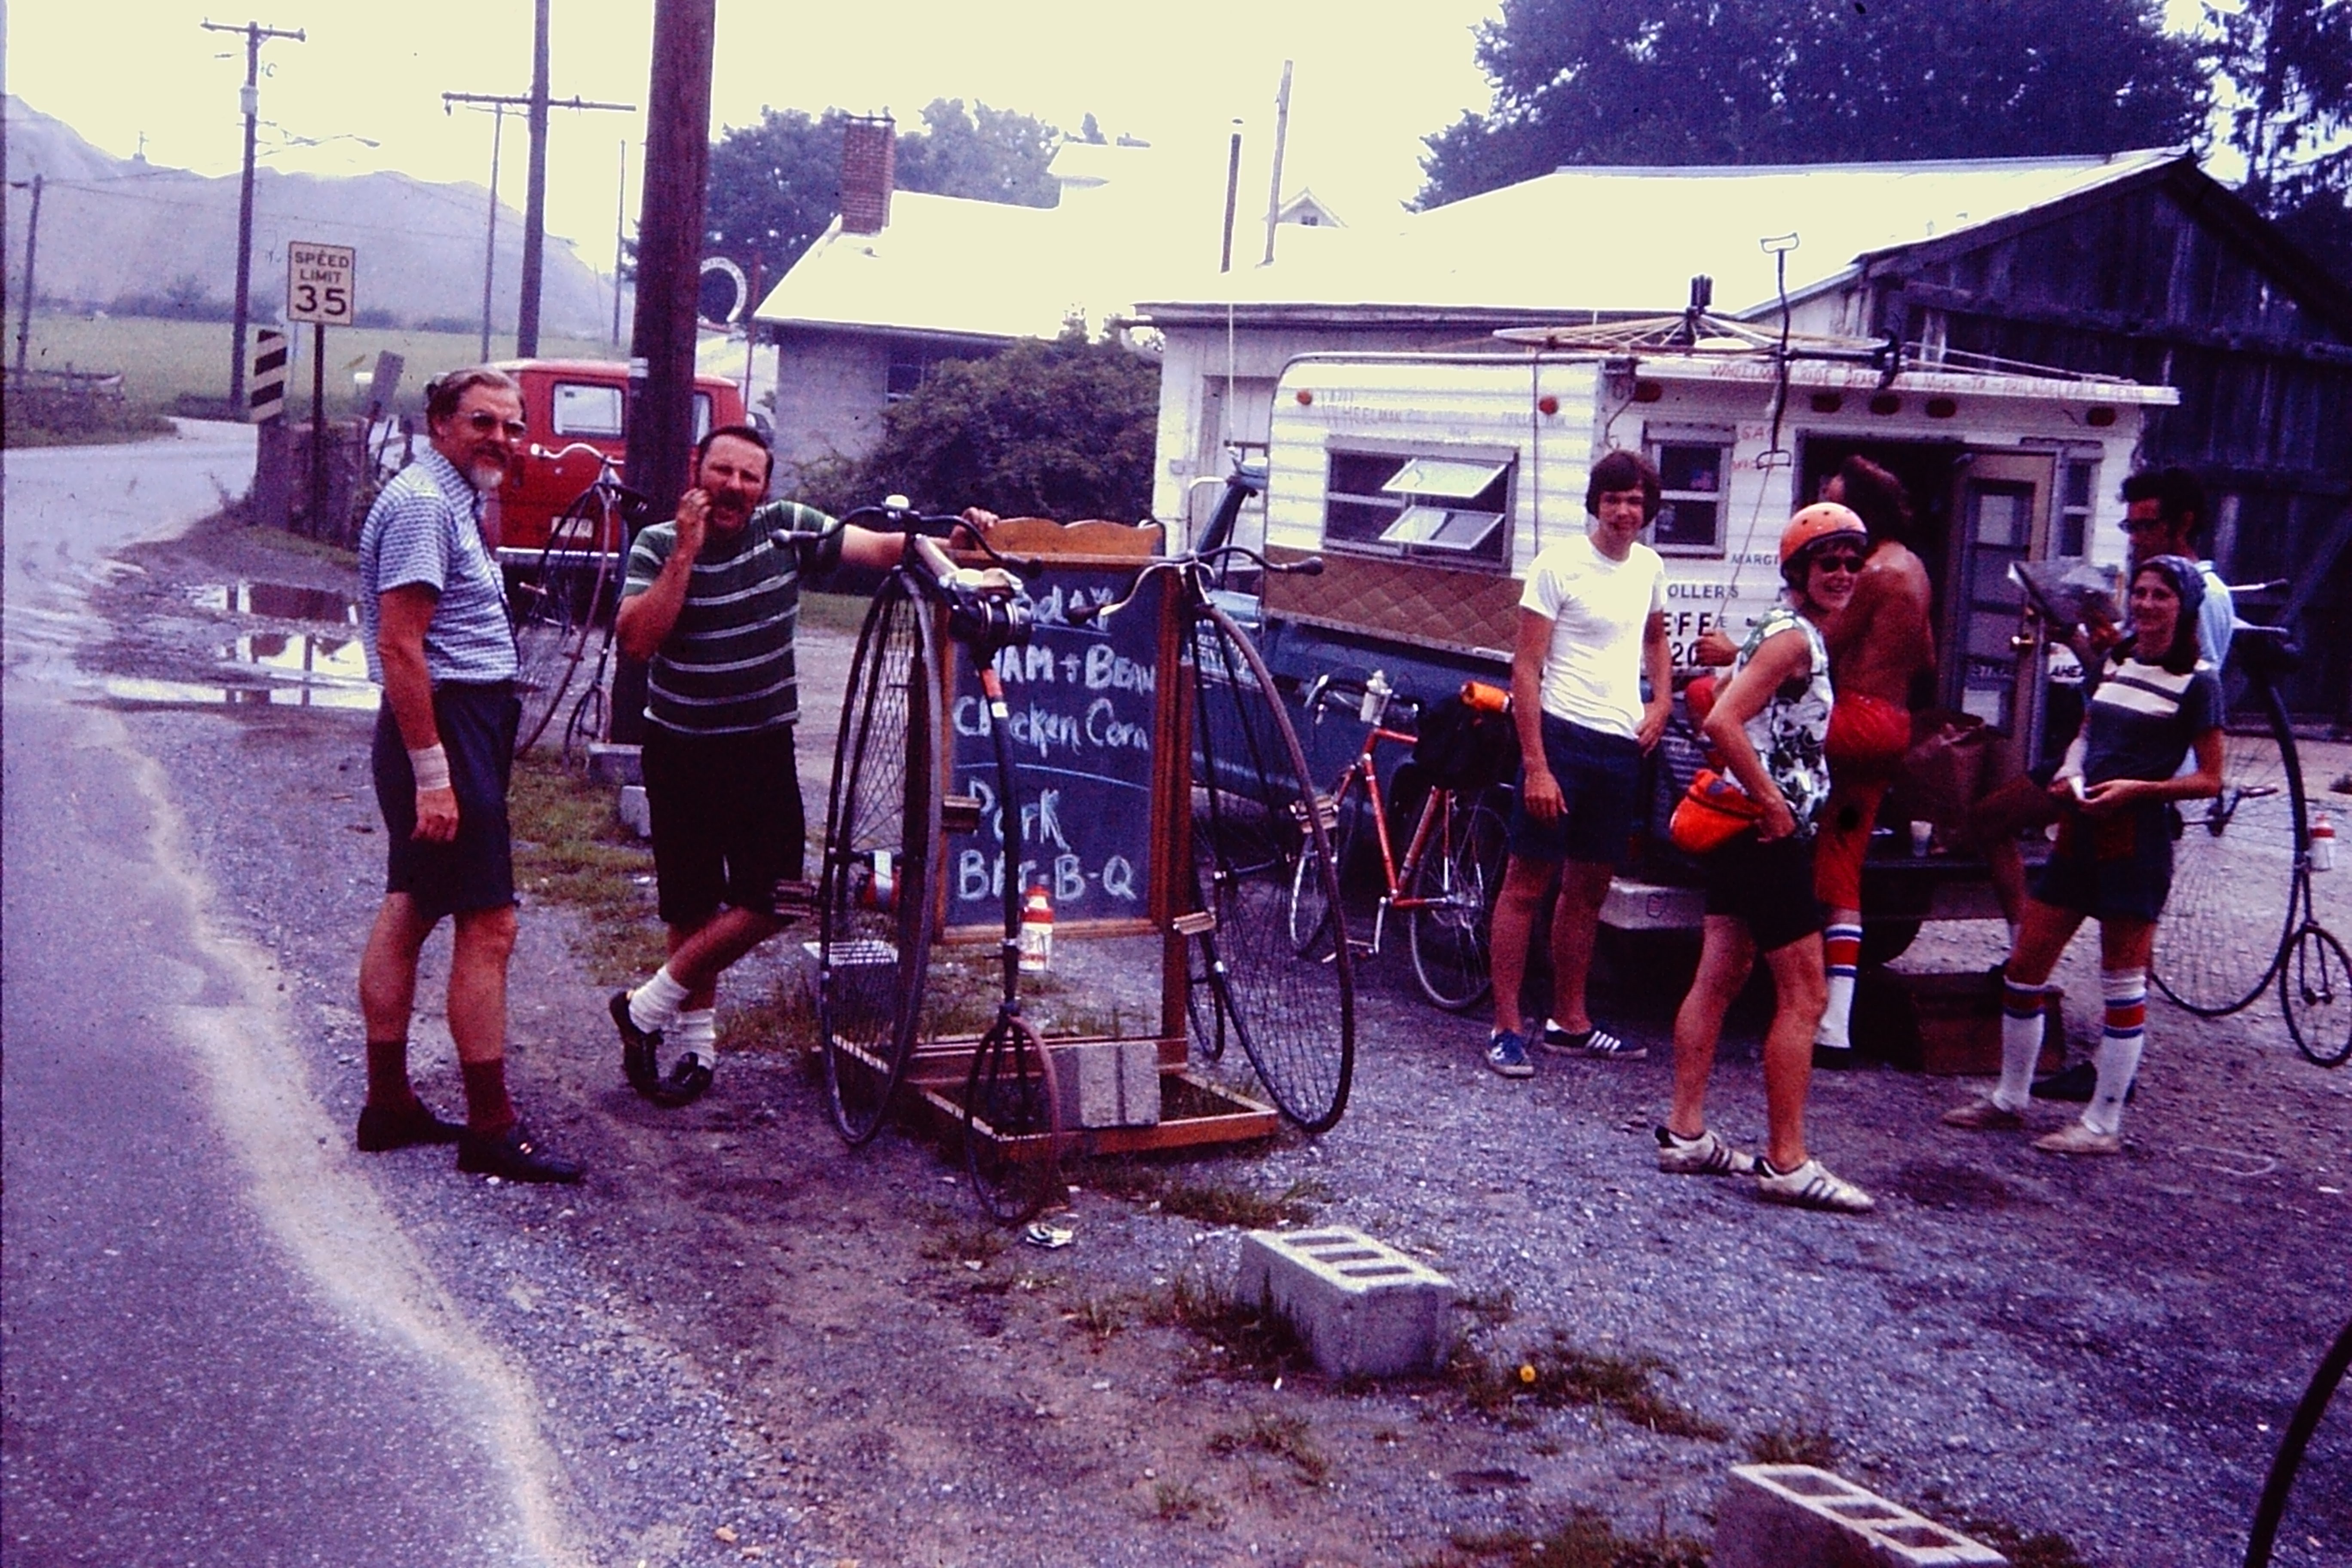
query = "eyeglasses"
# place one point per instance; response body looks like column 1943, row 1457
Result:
column 2142, row 524
column 1840, row 563
column 483, row 422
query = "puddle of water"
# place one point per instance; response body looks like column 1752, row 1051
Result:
column 279, row 601
column 302, row 654
column 136, row 688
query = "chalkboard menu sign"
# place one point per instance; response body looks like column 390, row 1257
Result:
column 1087, row 708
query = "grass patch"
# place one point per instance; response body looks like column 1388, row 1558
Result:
column 2024, row 1549
column 960, row 1241
column 1492, row 1307
column 1224, row 1204
column 783, row 1023
column 1100, row 1317
column 1176, row 1502
column 315, row 549
column 31, row 420
column 1286, row 1437
column 1245, row 1338
column 1560, row 1375
column 572, row 849
column 1586, row 1539
column 1794, row 1445
column 2342, row 782
column 842, row 613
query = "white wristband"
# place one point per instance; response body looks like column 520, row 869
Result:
column 431, row 766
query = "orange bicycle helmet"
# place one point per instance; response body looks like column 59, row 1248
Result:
column 1821, row 521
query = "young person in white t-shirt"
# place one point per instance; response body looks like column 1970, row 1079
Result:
column 1593, row 625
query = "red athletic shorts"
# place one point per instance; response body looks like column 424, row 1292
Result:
column 1867, row 738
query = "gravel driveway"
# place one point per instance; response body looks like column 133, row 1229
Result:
column 749, row 1344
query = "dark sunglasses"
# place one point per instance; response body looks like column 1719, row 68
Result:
column 483, row 422
column 1841, row 561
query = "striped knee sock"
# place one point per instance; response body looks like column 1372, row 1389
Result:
column 2020, row 1044
column 2125, row 992
column 1842, row 946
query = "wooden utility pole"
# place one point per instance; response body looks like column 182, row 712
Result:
column 256, row 35
column 32, row 240
column 669, row 256
column 534, row 201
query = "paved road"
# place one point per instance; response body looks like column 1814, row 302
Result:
column 217, row 1348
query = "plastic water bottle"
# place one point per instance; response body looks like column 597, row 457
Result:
column 1377, row 693
column 2322, row 844
column 1036, row 940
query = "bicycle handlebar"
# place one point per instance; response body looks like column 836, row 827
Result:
column 1194, row 562
column 987, row 606
column 1330, row 690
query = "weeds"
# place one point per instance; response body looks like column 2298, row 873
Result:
column 2342, row 782
column 1493, row 1308
column 1245, row 1338
column 1286, row 1437
column 1223, row 1204
column 571, row 848
column 2036, row 1548
column 1558, row 1376
column 1584, row 1540
column 1176, row 1502
column 1794, row 1445
column 961, row 1242
column 1099, row 1316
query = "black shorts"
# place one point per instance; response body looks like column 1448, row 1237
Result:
column 474, row 870
column 1599, row 779
column 726, row 818
column 1768, row 886
column 2111, row 868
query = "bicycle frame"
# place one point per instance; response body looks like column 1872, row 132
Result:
column 1436, row 813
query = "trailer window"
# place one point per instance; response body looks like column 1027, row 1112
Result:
column 2077, row 483
column 587, row 409
column 1443, row 505
column 1691, row 473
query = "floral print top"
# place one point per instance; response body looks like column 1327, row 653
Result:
column 1790, row 731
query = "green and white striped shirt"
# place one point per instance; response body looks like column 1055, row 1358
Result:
column 726, row 667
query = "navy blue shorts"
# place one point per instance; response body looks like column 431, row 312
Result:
column 474, row 870
column 2110, row 867
column 727, row 820
column 1599, row 779
column 1768, row 887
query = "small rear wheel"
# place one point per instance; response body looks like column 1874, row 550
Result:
column 1460, row 872
column 1011, row 1123
column 2316, row 993
column 2231, row 909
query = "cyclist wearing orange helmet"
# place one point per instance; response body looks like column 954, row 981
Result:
column 1771, row 724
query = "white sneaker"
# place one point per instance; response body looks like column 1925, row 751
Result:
column 2077, row 1139
column 1811, row 1186
column 1708, row 1154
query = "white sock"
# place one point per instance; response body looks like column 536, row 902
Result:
column 1842, row 944
column 698, row 1032
column 656, row 1004
column 2120, row 1043
column 2022, row 1023
column 2012, row 936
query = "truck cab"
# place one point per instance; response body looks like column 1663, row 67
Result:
column 567, row 401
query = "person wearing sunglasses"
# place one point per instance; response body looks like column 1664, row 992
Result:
column 1771, row 726
column 433, row 611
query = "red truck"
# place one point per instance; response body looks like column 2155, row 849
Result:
column 566, row 401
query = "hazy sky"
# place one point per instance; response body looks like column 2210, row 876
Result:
column 1371, row 81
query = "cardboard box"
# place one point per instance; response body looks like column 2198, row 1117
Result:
column 1959, row 1024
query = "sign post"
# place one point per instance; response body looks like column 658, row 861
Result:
column 266, row 411
column 322, row 288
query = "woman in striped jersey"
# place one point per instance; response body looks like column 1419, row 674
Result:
column 2154, row 703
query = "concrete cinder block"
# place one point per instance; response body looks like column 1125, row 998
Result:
column 1361, row 1308
column 1108, row 1083
column 1797, row 1516
column 635, row 815
column 616, row 764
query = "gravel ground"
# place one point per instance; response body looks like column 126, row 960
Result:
column 750, row 1344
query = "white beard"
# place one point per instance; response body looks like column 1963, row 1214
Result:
column 486, row 477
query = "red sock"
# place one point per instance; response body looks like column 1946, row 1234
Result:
column 488, row 1112
column 387, row 1075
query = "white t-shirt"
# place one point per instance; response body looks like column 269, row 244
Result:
column 1598, row 608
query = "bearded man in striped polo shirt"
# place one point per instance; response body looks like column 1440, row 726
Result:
column 709, row 605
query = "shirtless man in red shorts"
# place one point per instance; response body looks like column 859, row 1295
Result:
column 1877, row 644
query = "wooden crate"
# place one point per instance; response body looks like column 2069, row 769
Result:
column 1959, row 1024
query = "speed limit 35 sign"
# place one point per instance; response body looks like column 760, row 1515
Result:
column 321, row 284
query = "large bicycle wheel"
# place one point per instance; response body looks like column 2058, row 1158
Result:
column 881, row 866
column 1447, row 930
column 1315, row 924
column 1253, row 819
column 2232, row 873
column 2316, row 993
column 1011, row 1123
column 555, row 610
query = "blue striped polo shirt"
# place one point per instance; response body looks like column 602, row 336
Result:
column 422, row 530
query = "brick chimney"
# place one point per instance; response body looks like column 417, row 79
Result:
column 869, row 167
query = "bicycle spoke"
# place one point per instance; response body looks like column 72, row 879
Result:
column 2316, row 993
column 2230, row 912
column 1011, row 1123
column 1458, row 876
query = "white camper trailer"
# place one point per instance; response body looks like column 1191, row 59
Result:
column 1428, row 482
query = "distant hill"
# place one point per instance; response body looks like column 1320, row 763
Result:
column 113, row 227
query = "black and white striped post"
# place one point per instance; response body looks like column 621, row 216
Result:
column 266, row 410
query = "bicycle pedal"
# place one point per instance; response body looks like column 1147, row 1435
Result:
column 959, row 813
column 1199, row 922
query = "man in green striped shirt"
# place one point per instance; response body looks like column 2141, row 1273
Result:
column 709, row 605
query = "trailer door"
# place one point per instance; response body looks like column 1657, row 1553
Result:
column 2000, row 514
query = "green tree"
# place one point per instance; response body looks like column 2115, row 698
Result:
column 1791, row 81
column 2287, row 70
column 987, row 154
column 773, row 187
column 1062, row 429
